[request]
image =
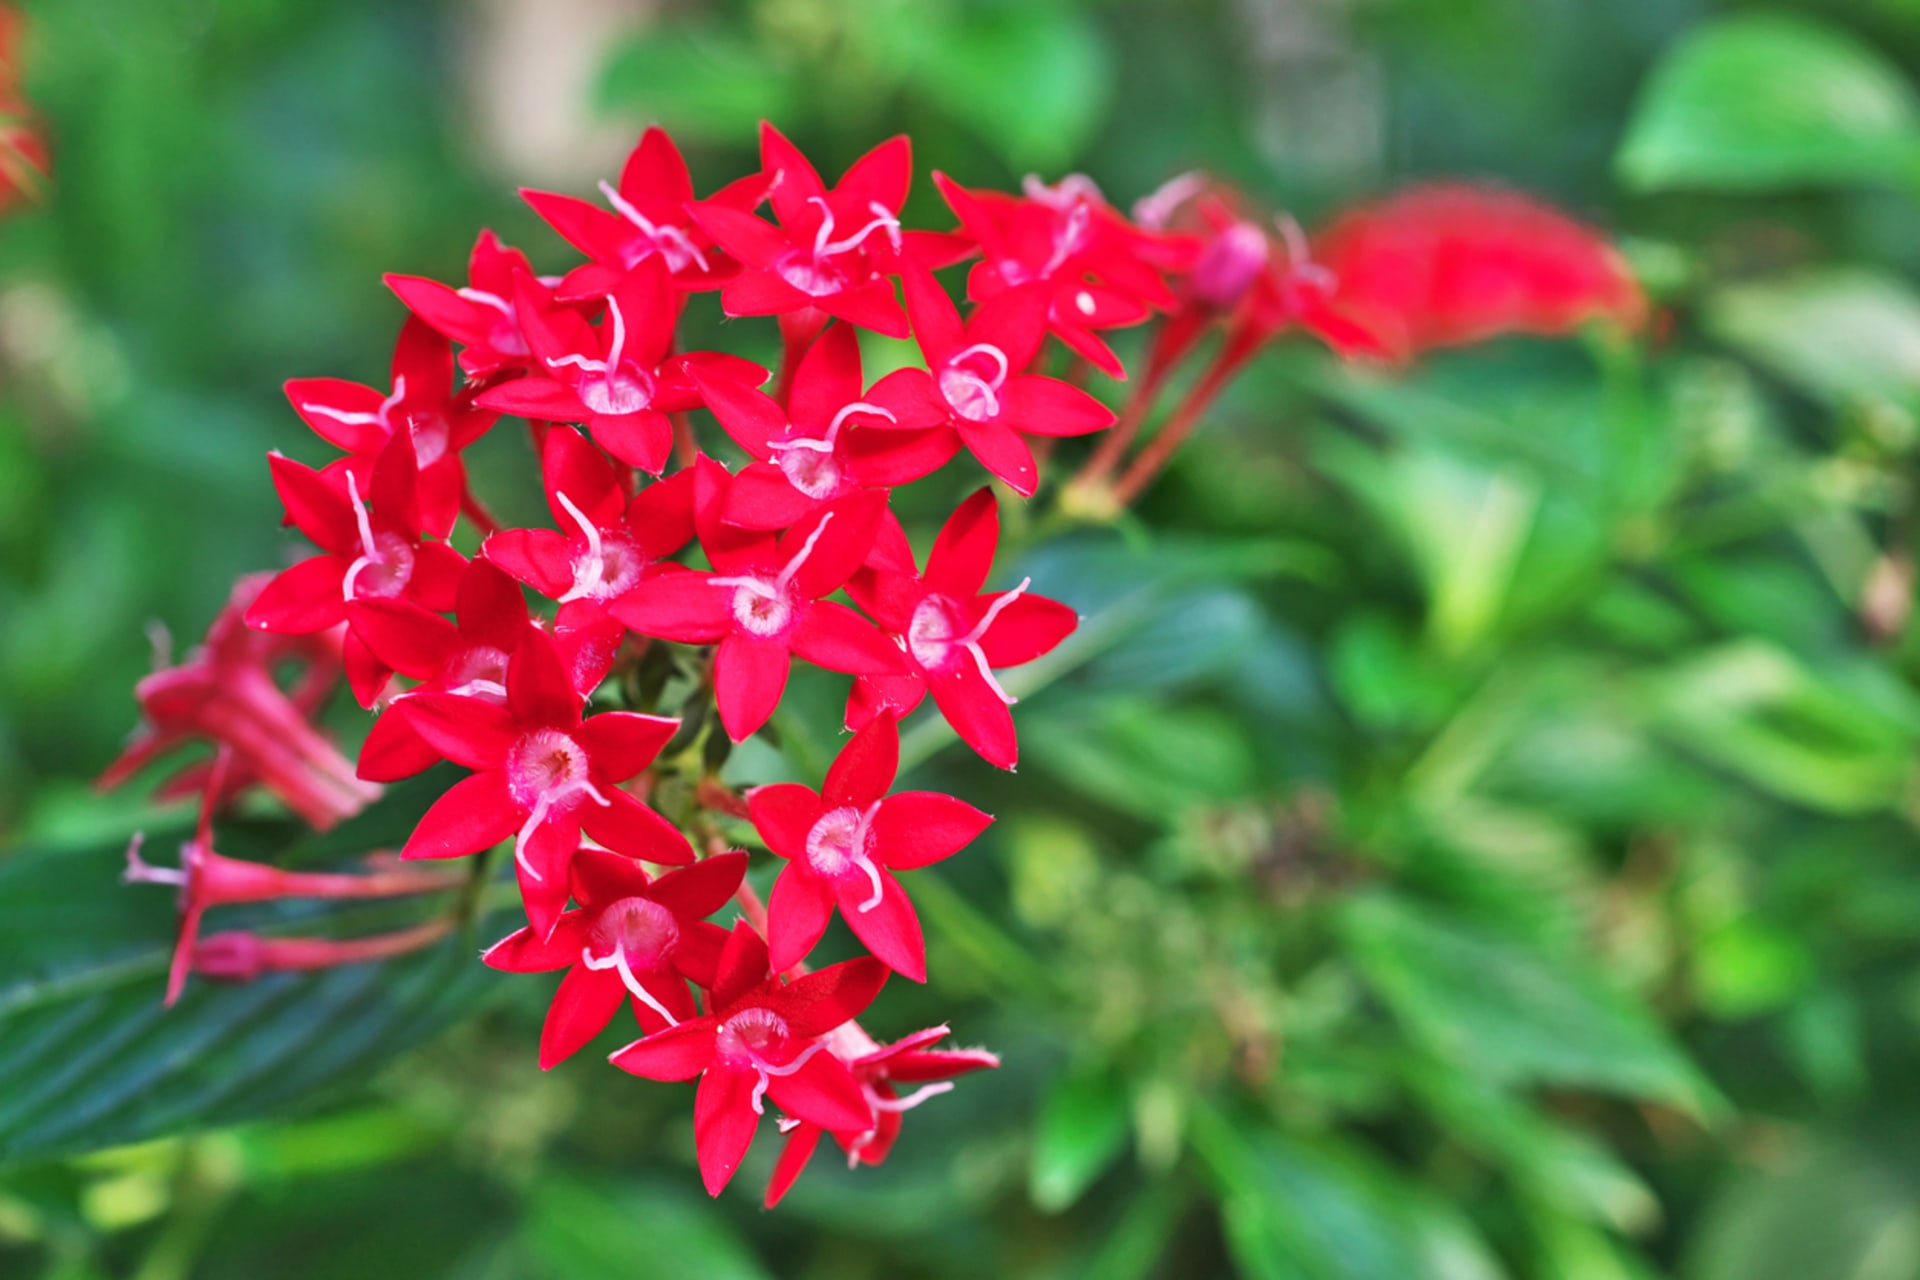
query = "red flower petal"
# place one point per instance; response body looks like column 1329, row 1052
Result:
column 723, row 1124
column 976, row 713
column 476, row 813
column 1027, row 628
column 820, row 1001
column 539, row 690
column 865, row 767
column 628, row 826
column 524, row 951
column 696, row 892
column 586, row 1001
column 1004, row 453
column 798, row 910
column 622, row 743
column 682, row 607
column 916, row 828
column 678, row 1053
column 749, row 675
column 301, row 600
column 467, row 731
column 823, row 1092
column 834, row 637
column 890, row 929
column 962, row 555
column 1050, row 407
column 792, row 1162
column 783, row 813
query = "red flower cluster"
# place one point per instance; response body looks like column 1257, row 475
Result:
column 656, row 545
column 24, row 159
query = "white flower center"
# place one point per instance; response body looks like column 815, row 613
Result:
column 972, row 381
column 840, row 845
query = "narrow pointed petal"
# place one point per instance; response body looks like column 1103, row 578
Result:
column 749, row 675
column 724, row 1122
column 679, row 1053
column 742, row 966
column 1026, row 629
column 683, row 607
column 865, row 767
column 825, row 1093
column 628, row 826
column 976, row 713
column 301, row 600
column 783, row 813
column 467, row 731
column 798, row 910
column 316, row 504
column 871, row 306
column 792, row 1162
column 761, row 497
column 890, row 930
column 820, row 1001
column 750, row 416
column 698, row 891
column 585, row 1002
column 834, row 637
column 1002, row 452
column 827, row 379
column 539, row 690
column 404, row 636
column 1050, row 407
column 643, row 439
column 524, row 951
column 622, row 743
column 881, row 176
column 601, row 876
column 962, row 556
column 475, row 814
column 537, row 557
column 917, row 828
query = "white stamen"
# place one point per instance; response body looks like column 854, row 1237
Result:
column 764, row 1070
column 542, row 805
column 139, row 872
column 1156, row 208
column 806, row 549
column 661, row 236
column 825, row 445
column 992, row 353
column 369, row 552
column 913, row 1099
column 824, row 246
column 618, row 960
column 592, row 571
column 473, row 687
column 160, row 640
column 486, row 299
column 971, row 641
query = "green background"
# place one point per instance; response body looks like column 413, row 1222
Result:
column 1473, row 835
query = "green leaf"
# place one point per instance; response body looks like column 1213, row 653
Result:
column 698, row 83
column 577, row 1229
column 1833, row 1211
column 1514, row 1013
column 1082, row 1130
column 1841, row 336
column 1757, row 710
column 90, row 1059
column 1763, row 101
column 1031, row 78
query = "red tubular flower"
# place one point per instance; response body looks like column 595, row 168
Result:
column 241, row 956
column 842, row 844
column 1099, row 270
column 1448, row 265
column 974, row 378
column 761, row 1037
column 469, row 658
column 954, row 637
column 631, row 938
column 612, row 543
column 833, row 249
column 621, row 380
column 877, row 1068
column 817, row 449
column 478, row 315
column 424, row 406
column 369, row 550
column 541, row 775
column 649, row 220
column 227, row 692
column 207, row 879
column 763, row 604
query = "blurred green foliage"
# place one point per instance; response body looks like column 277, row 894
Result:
column 1472, row 836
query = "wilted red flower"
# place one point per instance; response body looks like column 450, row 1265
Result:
column 842, row 844
column 631, row 937
column 761, row 1037
column 227, row 692
column 207, row 879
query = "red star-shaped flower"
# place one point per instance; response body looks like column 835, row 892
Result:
column 631, row 938
column 763, row 603
column 649, row 219
column 954, row 637
column 620, row 380
column 478, row 315
column 818, row 448
column 878, row 1068
column 611, row 542
column 542, row 774
column 842, row 844
column 761, row 1037
column 975, row 378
